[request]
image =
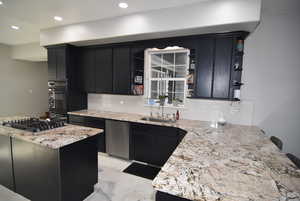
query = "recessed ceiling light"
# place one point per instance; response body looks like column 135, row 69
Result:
column 57, row 18
column 1, row 2
column 15, row 27
column 123, row 5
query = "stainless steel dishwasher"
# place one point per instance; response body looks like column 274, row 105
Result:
column 117, row 138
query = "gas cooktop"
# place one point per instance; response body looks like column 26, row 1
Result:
column 34, row 124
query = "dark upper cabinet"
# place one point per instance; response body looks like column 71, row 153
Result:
column 61, row 63
column 121, row 71
column 222, row 69
column 87, row 69
column 103, row 70
column 205, row 65
column 112, row 68
column 57, row 63
column 51, row 64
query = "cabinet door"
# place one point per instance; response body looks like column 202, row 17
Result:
column 154, row 144
column 51, row 64
column 6, row 170
column 163, row 148
column 87, row 67
column 223, row 57
column 204, row 70
column 121, row 71
column 103, row 70
column 143, row 147
column 61, row 64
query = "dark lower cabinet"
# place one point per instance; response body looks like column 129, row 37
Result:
column 161, row 196
column 44, row 174
column 154, row 144
column 91, row 122
column 6, row 165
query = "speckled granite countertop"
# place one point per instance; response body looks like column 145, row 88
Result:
column 54, row 138
column 232, row 163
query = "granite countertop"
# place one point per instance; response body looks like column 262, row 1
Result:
column 54, row 138
column 231, row 163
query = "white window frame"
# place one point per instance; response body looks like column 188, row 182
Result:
column 148, row 72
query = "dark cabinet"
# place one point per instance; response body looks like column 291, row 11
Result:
column 57, row 63
column 44, row 174
column 91, row 122
column 6, row 171
column 204, row 69
column 103, row 70
column 121, row 71
column 222, row 69
column 61, row 65
column 87, row 69
column 51, row 64
column 154, row 144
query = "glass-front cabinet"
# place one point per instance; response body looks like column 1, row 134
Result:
column 166, row 72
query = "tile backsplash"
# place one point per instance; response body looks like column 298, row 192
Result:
column 195, row 109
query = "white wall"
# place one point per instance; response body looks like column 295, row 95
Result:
column 29, row 52
column 271, row 94
column 272, row 72
column 23, row 85
column 204, row 17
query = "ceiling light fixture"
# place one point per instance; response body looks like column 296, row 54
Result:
column 15, row 27
column 1, row 2
column 123, row 5
column 57, row 18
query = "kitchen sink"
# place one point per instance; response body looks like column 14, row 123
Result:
column 157, row 120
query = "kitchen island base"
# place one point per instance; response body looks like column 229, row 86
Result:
column 65, row 174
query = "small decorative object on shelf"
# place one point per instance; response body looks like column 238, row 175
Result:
column 237, row 83
column 240, row 45
column 237, row 94
column 237, row 67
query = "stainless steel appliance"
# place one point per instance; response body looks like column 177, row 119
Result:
column 57, row 98
column 117, row 138
column 34, row 124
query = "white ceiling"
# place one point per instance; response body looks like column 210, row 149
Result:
column 33, row 15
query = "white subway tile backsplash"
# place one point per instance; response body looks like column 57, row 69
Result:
column 196, row 109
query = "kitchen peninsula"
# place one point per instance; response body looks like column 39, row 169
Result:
column 231, row 163
column 48, row 165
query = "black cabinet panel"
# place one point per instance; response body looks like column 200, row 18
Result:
column 61, row 65
column 205, row 62
column 103, row 70
column 154, row 144
column 87, row 67
column 121, row 71
column 36, row 171
column 222, row 67
column 91, row 122
column 143, row 147
column 6, row 169
column 51, row 64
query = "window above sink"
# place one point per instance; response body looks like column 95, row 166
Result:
column 166, row 73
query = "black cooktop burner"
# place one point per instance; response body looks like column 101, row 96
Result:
column 34, row 124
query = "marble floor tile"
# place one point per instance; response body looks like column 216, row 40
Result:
column 114, row 185
column 7, row 195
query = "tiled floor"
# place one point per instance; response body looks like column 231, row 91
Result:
column 114, row 185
